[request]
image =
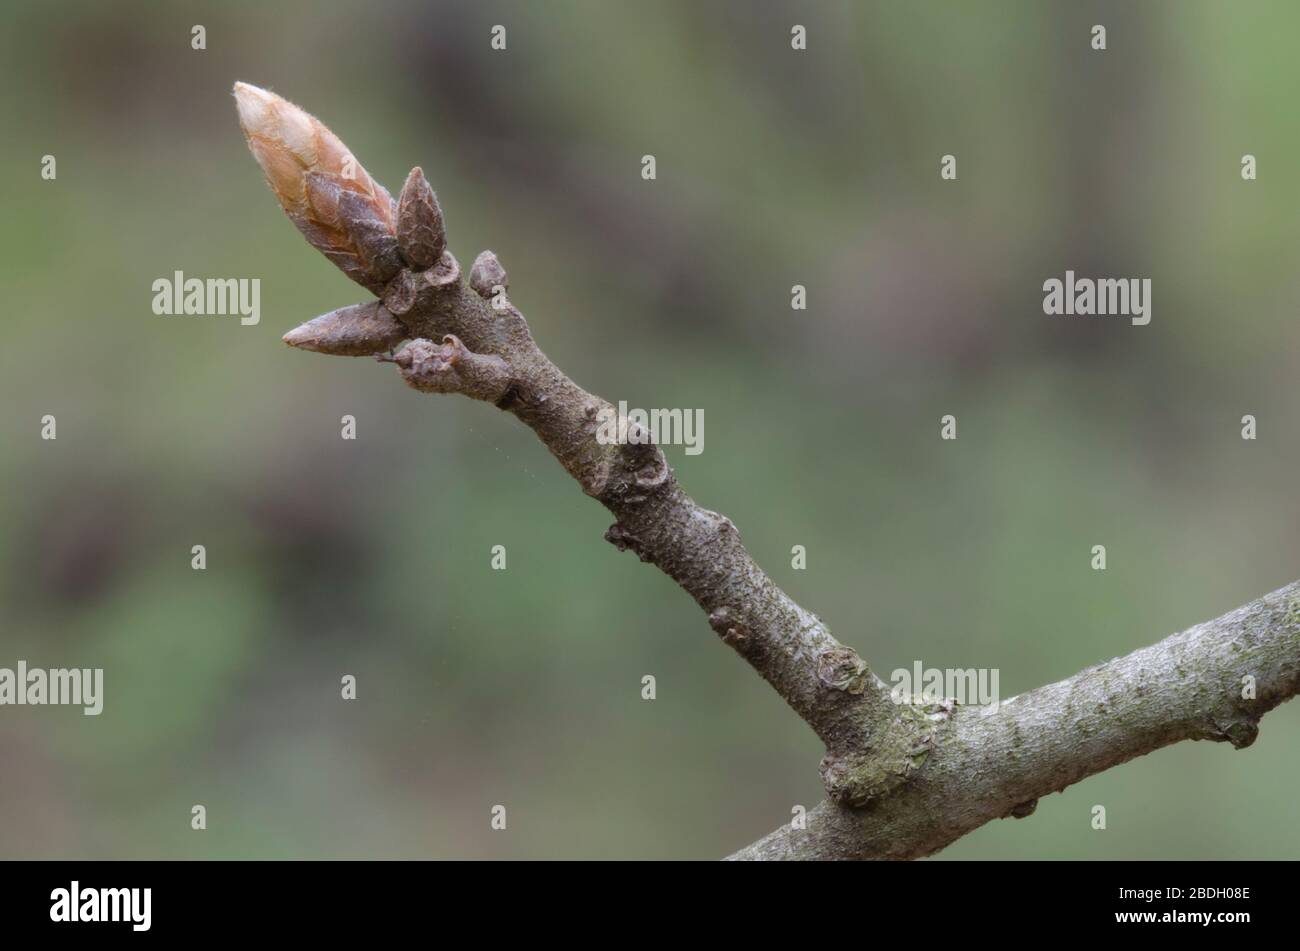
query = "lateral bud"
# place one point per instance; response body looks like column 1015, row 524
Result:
column 487, row 274
column 357, row 331
column 450, row 367
column 421, row 233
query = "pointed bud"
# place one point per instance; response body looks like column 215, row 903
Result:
column 356, row 331
column 372, row 235
column 339, row 208
column 486, row 274
column 420, row 229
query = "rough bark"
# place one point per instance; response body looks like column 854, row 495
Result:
column 902, row 779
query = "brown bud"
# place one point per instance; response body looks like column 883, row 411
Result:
column 327, row 194
column 372, row 235
column 420, row 229
column 356, row 331
column 486, row 274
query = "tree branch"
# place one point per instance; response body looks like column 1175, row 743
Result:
column 897, row 774
column 997, row 764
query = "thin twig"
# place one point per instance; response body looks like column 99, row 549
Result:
column 902, row 779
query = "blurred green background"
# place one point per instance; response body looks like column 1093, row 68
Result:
column 522, row 687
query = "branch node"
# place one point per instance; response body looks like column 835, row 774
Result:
column 840, row 668
column 896, row 750
column 450, row 367
column 653, row 473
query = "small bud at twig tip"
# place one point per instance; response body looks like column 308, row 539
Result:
column 333, row 201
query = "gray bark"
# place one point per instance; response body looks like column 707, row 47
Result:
column 988, row 765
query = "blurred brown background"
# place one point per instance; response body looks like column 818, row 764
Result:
column 522, row 687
